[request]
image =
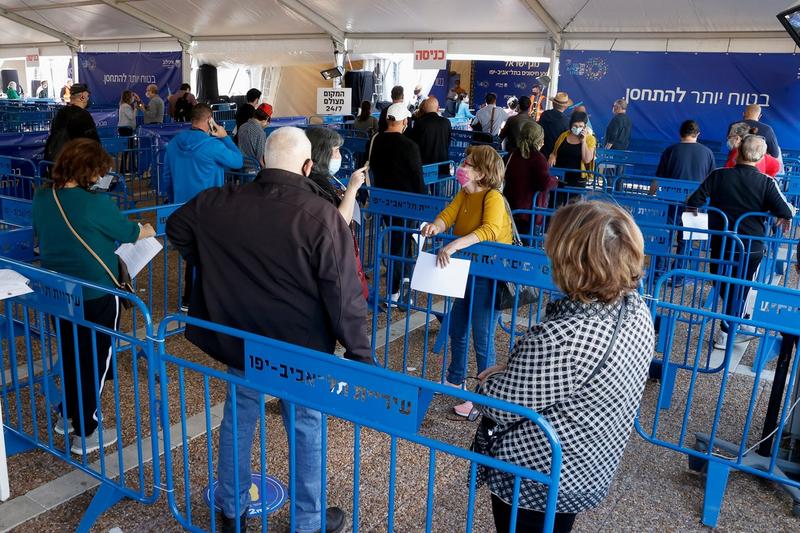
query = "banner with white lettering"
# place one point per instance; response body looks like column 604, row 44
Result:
column 664, row 89
column 430, row 55
column 109, row 73
column 333, row 101
column 505, row 79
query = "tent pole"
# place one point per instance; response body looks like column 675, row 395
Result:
column 555, row 57
column 186, row 64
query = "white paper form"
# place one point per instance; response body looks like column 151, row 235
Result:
column 696, row 221
column 13, row 284
column 137, row 256
column 449, row 281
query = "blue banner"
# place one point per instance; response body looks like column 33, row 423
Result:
column 109, row 73
column 505, row 79
column 664, row 89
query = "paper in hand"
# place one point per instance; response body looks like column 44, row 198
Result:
column 449, row 281
column 13, row 284
column 137, row 256
column 697, row 221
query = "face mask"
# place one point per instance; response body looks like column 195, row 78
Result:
column 731, row 144
column 576, row 130
column 334, row 165
column 462, row 176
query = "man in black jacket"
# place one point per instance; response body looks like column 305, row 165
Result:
column 396, row 164
column 737, row 191
column 513, row 127
column 71, row 122
column 246, row 111
column 432, row 133
column 554, row 122
column 277, row 260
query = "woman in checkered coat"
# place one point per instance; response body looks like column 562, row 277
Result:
column 576, row 367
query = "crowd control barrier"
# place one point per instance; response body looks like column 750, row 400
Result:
column 706, row 422
column 33, row 369
column 35, row 328
column 416, row 324
column 18, row 177
column 364, row 403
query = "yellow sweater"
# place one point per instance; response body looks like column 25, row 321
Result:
column 483, row 213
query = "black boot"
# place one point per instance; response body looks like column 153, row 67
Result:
column 229, row 524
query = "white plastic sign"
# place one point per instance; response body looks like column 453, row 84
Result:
column 430, row 55
column 333, row 101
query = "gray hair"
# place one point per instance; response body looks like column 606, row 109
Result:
column 740, row 129
column 752, row 148
column 287, row 149
column 621, row 104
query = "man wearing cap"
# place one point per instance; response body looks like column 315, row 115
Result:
column 618, row 132
column 397, row 98
column 71, row 122
column 554, row 121
column 396, row 164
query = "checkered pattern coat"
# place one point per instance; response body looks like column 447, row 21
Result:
column 547, row 372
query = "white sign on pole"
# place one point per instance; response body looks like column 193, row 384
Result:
column 333, row 101
column 32, row 60
column 430, row 55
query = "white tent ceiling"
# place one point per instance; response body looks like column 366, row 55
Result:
column 300, row 31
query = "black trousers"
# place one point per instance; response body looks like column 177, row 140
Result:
column 105, row 312
column 126, row 162
column 737, row 295
column 401, row 245
column 527, row 521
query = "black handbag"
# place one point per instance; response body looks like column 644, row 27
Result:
column 488, row 436
column 507, row 292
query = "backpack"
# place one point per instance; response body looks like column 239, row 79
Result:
column 183, row 108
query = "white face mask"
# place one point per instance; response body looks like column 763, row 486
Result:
column 577, row 130
column 731, row 144
column 334, row 166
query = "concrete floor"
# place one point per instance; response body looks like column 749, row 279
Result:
column 653, row 490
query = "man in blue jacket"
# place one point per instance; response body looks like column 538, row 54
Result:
column 196, row 160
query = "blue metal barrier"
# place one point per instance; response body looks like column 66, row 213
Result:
column 32, row 386
column 704, row 409
column 352, row 397
column 18, row 177
column 489, row 261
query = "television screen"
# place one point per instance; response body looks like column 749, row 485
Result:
column 791, row 21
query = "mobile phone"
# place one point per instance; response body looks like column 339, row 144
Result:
column 212, row 125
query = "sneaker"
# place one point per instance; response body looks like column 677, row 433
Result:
column 395, row 299
column 229, row 524
column 464, row 409
column 58, row 427
column 721, row 342
column 93, row 441
column 675, row 282
column 184, row 308
column 334, row 520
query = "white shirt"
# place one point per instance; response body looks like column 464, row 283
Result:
column 491, row 118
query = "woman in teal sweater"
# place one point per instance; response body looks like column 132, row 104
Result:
column 98, row 221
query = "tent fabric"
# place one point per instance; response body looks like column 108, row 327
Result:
column 374, row 26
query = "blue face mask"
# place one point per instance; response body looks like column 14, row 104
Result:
column 334, row 165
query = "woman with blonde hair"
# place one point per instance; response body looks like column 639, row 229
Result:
column 583, row 367
column 478, row 213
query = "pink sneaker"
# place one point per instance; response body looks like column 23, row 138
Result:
column 463, row 409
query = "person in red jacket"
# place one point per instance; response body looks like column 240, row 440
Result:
column 768, row 165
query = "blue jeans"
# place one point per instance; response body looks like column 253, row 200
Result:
column 308, row 456
column 482, row 329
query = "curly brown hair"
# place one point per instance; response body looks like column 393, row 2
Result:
column 82, row 161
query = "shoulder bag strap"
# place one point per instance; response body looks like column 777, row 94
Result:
column 88, row 248
column 497, row 436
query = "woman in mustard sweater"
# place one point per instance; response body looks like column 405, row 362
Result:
column 478, row 213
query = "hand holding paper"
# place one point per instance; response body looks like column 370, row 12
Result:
column 449, row 281
column 137, row 256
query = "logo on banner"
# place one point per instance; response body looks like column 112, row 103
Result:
column 171, row 63
column 89, row 63
column 430, row 55
column 594, row 68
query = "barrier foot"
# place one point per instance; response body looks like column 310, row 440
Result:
column 716, row 481
column 106, row 497
column 667, row 387
column 16, row 444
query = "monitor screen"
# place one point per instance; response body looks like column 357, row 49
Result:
column 790, row 19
